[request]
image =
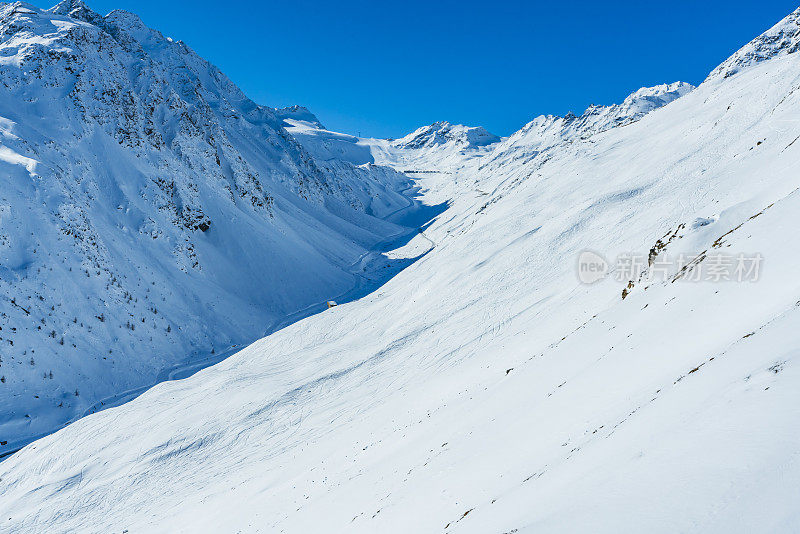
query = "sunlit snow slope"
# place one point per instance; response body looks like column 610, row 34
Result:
column 484, row 388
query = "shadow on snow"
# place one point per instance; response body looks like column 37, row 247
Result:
column 371, row 271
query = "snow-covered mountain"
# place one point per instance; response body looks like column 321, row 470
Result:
column 440, row 147
column 443, row 133
column 298, row 115
column 548, row 131
column 781, row 39
column 457, row 150
column 151, row 214
column 487, row 387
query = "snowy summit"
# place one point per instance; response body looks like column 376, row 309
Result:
column 441, row 133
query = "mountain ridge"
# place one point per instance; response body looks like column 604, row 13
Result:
column 781, row 39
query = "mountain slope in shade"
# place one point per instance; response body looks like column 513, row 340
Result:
column 485, row 388
column 151, row 215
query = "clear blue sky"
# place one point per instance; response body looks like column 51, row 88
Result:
column 385, row 68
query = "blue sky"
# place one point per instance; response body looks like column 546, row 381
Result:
column 385, row 68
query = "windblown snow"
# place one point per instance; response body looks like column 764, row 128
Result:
column 481, row 388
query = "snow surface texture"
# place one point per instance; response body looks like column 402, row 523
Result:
column 152, row 216
column 483, row 388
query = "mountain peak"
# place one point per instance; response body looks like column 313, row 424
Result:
column 66, row 6
column 296, row 114
column 443, row 132
column 75, row 9
column 120, row 16
column 780, row 40
column 647, row 99
column 547, row 131
column 658, row 92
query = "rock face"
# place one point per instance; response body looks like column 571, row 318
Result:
column 780, row 40
column 150, row 212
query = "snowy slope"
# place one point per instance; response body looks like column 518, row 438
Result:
column 484, row 388
column 782, row 39
column 151, row 214
column 345, row 157
column 548, row 131
column 454, row 151
column 293, row 115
